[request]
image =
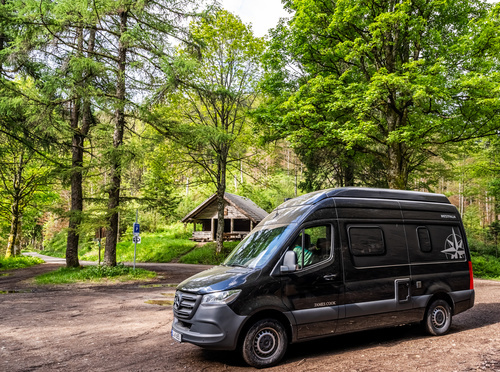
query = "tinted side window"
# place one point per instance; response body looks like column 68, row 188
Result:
column 380, row 245
column 424, row 239
column 366, row 241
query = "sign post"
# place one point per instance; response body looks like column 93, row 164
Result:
column 137, row 230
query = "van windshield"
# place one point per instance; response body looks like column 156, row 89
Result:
column 258, row 247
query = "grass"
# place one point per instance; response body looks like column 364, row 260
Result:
column 170, row 244
column 18, row 262
column 164, row 246
column 155, row 247
column 206, row 254
column 94, row 274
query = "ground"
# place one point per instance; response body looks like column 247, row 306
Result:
column 126, row 327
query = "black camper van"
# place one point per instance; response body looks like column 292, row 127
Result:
column 327, row 263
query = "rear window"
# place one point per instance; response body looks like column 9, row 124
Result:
column 424, row 239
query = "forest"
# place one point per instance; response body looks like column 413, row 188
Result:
column 110, row 109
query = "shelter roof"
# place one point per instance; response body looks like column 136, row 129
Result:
column 243, row 205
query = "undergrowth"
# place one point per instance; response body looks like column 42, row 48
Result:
column 485, row 266
column 18, row 262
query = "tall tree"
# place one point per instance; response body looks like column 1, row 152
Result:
column 108, row 55
column 394, row 79
column 25, row 132
column 141, row 31
column 23, row 174
column 65, row 43
column 215, row 88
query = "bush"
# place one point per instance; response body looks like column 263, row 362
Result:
column 481, row 247
column 485, row 266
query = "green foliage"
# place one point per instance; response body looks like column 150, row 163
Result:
column 382, row 82
column 94, row 274
column 481, row 245
column 486, row 266
column 271, row 191
column 206, row 254
column 205, row 111
column 18, row 262
column 56, row 247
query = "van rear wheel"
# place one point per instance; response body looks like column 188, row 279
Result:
column 265, row 343
column 437, row 319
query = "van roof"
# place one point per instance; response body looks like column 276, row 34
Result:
column 366, row 193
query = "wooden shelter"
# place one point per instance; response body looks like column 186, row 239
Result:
column 240, row 216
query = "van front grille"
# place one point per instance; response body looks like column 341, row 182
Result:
column 185, row 304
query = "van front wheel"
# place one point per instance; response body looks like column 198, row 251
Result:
column 437, row 320
column 265, row 343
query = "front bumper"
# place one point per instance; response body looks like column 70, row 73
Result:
column 211, row 327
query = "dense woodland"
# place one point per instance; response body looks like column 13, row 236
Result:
column 108, row 107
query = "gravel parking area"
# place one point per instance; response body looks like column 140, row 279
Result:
column 126, row 327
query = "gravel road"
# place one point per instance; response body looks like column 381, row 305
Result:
column 126, row 327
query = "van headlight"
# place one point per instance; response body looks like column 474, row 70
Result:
column 217, row 298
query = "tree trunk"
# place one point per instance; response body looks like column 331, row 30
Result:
column 76, row 187
column 397, row 172
column 397, row 163
column 349, row 167
column 3, row 43
column 79, row 135
column 17, row 241
column 15, row 208
column 11, row 250
column 76, row 201
column 221, row 190
column 114, row 190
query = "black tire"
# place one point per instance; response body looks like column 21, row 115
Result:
column 265, row 343
column 437, row 319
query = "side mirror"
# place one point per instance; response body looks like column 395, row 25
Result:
column 289, row 262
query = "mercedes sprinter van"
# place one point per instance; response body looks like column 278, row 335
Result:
column 331, row 262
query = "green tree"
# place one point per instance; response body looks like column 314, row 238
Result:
column 215, row 89
column 395, row 80
column 38, row 47
column 103, row 59
column 23, row 175
column 141, row 32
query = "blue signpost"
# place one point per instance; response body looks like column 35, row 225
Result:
column 137, row 230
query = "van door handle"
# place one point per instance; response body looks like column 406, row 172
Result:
column 330, row 276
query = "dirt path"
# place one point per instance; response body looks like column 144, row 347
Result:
column 114, row 328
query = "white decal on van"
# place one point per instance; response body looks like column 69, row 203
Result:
column 448, row 216
column 321, row 304
column 454, row 246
